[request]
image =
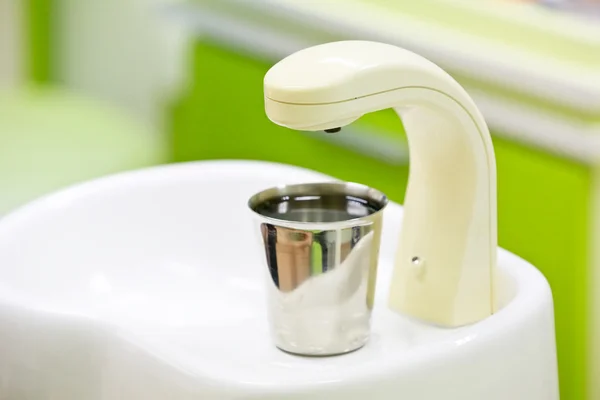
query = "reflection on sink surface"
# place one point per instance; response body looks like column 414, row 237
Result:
column 138, row 286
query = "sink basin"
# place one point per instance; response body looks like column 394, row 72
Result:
column 139, row 286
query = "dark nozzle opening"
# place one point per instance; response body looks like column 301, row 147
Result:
column 333, row 130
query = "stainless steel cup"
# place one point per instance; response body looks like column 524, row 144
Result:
column 321, row 246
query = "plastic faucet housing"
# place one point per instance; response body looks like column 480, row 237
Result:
column 445, row 265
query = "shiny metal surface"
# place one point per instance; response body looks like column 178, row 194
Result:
column 321, row 245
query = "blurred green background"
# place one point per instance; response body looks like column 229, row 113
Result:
column 89, row 88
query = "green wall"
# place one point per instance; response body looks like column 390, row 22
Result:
column 37, row 29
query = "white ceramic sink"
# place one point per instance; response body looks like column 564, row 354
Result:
column 147, row 285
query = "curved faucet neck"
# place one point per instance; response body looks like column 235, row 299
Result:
column 445, row 265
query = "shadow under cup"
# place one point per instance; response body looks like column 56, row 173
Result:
column 321, row 245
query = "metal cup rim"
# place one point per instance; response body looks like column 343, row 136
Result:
column 316, row 188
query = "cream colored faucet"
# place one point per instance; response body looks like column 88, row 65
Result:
column 445, row 265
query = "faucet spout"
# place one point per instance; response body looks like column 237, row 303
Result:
column 445, row 265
